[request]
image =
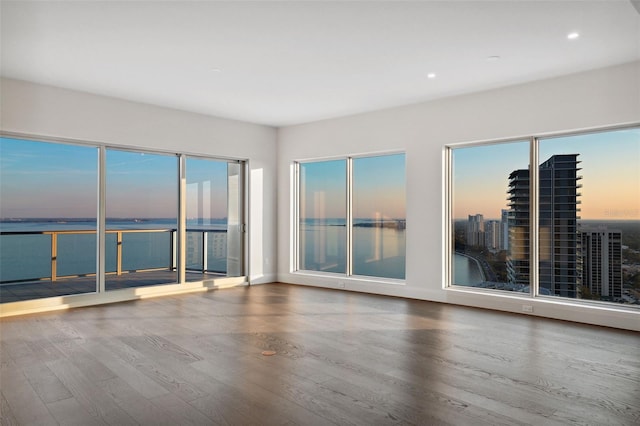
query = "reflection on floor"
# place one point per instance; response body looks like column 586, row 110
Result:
column 67, row 286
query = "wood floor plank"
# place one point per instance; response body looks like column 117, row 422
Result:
column 70, row 412
column 140, row 408
column 46, row 384
column 90, row 397
column 7, row 418
column 151, row 368
column 127, row 372
column 341, row 359
column 24, row 403
column 262, row 398
column 187, row 413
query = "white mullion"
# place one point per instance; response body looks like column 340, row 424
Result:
column 534, row 255
column 182, row 222
column 101, row 221
column 448, row 225
column 296, row 217
column 349, row 224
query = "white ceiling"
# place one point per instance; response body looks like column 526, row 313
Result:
column 283, row 63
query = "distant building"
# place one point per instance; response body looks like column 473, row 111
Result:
column 475, row 230
column 218, row 244
column 492, row 234
column 518, row 224
column 558, row 217
column 504, row 230
column 600, row 255
column 558, row 220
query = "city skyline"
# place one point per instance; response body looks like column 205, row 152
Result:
column 610, row 170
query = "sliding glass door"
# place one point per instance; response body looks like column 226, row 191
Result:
column 142, row 216
column 55, row 196
column 214, row 219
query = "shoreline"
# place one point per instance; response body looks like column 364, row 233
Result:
column 478, row 265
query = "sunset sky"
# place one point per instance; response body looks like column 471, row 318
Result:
column 46, row 180
column 378, row 188
column 55, row 180
column 610, row 164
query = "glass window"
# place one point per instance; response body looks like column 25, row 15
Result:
column 214, row 218
column 588, row 216
column 379, row 218
column 323, row 216
column 142, row 218
column 589, row 226
column 352, row 216
column 490, row 216
column 47, row 219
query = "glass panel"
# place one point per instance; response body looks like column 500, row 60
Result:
column 49, row 197
column 379, row 218
column 589, row 212
column 234, row 225
column 490, row 215
column 217, row 253
column 195, row 261
column 214, row 217
column 142, row 212
column 76, row 254
column 323, row 216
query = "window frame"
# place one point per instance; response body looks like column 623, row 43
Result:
column 296, row 214
column 180, row 181
column 534, row 218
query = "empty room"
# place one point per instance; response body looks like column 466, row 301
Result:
column 316, row 213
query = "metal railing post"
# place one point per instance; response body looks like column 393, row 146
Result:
column 172, row 254
column 119, row 253
column 54, row 256
column 205, row 247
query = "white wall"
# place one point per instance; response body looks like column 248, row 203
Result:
column 51, row 112
column 592, row 99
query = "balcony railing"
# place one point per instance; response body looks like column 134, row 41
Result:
column 206, row 252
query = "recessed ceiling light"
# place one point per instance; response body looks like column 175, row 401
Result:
column 216, row 70
column 431, row 75
column 573, row 36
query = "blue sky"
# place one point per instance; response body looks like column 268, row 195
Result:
column 206, row 188
column 141, row 185
column 39, row 179
column 610, row 163
column 378, row 187
column 34, row 175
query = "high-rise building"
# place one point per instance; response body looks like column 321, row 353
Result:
column 504, row 230
column 558, row 217
column 558, row 222
column 600, row 255
column 518, row 223
column 475, row 230
column 492, row 234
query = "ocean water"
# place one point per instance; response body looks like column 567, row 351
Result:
column 466, row 271
column 378, row 252
column 28, row 256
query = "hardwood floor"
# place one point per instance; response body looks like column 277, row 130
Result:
column 87, row 284
column 342, row 358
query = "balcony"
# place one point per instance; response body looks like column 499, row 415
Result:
column 38, row 264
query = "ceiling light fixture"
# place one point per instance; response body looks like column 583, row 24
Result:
column 573, row 36
column 431, row 75
column 493, row 58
